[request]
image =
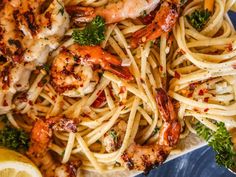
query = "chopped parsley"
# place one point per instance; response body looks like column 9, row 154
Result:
column 13, row 138
column 155, row 131
column 114, row 135
column 92, row 34
column 221, row 143
column 199, row 18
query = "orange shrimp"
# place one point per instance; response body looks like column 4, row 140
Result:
column 41, row 133
column 163, row 22
column 74, row 72
column 113, row 12
column 148, row 156
column 41, row 137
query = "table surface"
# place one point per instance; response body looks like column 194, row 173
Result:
column 199, row 163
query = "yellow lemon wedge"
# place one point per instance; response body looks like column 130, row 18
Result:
column 13, row 164
column 233, row 8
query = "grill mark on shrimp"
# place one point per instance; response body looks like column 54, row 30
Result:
column 31, row 21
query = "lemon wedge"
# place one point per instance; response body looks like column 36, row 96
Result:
column 233, row 8
column 13, row 164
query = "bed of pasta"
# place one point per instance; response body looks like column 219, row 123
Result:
column 196, row 67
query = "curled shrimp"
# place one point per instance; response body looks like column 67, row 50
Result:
column 113, row 12
column 164, row 20
column 41, row 137
column 41, row 133
column 146, row 157
column 30, row 29
column 74, row 71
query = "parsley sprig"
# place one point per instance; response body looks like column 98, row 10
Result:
column 221, row 143
column 13, row 138
column 92, row 34
column 199, row 18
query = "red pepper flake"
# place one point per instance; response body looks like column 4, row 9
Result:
column 18, row 85
column 40, row 84
column 201, row 92
column 5, row 103
column 229, row 47
column 161, row 68
column 182, row 51
column 54, row 98
column 121, row 104
column 111, row 92
column 100, row 100
column 122, row 89
column 206, row 110
column 190, row 94
column 30, row 103
column 192, row 86
column 177, row 75
column 206, row 99
column 196, row 109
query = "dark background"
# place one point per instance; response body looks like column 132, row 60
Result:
column 199, row 163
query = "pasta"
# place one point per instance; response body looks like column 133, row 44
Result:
column 197, row 68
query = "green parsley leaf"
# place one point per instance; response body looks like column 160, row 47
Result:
column 221, row 143
column 114, row 135
column 199, row 18
column 92, row 34
column 13, row 138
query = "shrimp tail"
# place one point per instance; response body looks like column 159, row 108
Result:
column 120, row 71
column 107, row 61
column 169, row 134
column 163, row 22
column 80, row 14
column 149, row 156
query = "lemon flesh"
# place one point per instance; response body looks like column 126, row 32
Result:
column 13, row 164
column 233, row 8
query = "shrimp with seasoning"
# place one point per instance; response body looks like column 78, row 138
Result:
column 113, row 12
column 163, row 22
column 146, row 157
column 41, row 137
column 74, row 71
column 29, row 31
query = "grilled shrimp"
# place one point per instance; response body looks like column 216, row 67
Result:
column 163, row 21
column 148, row 156
column 74, row 71
column 113, row 139
column 113, row 12
column 13, row 77
column 30, row 29
column 41, row 135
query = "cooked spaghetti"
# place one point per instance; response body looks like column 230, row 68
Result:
column 96, row 101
